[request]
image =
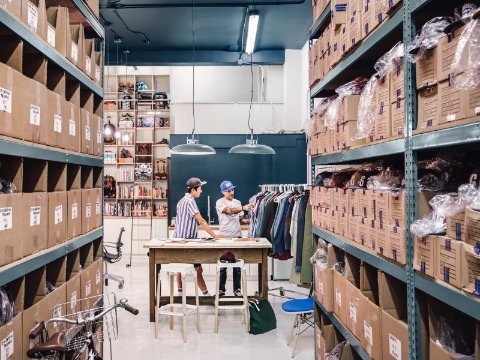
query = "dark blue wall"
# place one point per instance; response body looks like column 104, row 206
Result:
column 287, row 166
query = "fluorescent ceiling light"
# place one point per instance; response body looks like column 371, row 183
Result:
column 252, row 33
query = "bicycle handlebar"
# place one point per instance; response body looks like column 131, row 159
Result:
column 122, row 303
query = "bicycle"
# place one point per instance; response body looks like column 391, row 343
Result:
column 78, row 331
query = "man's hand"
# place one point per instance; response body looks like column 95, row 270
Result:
column 219, row 236
column 248, row 207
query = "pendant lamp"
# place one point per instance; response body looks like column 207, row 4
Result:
column 193, row 147
column 251, row 146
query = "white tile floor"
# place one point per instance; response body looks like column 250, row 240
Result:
column 136, row 335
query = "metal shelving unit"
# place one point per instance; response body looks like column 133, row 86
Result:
column 370, row 258
column 24, row 266
column 92, row 20
column 321, row 23
column 351, row 339
column 42, row 47
column 465, row 133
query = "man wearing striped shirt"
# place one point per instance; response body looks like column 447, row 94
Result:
column 186, row 225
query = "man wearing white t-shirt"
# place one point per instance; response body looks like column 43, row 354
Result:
column 229, row 212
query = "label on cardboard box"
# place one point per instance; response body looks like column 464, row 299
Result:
column 88, row 64
column 71, row 127
column 320, row 286
column 34, row 114
column 6, row 96
column 73, row 299
column 35, row 215
column 74, row 51
column 97, row 277
column 58, row 215
column 368, row 332
column 338, row 297
column 7, row 347
column 451, row 117
column 74, row 211
column 51, row 35
column 32, row 19
column 99, row 137
column 87, row 133
column 353, row 312
column 57, row 312
column 97, row 73
column 88, row 288
column 6, row 214
column 57, row 123
column 395, row 347
column 88, row 210
column 35, row 341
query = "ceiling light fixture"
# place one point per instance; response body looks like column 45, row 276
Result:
column 251, row 146
column 252, row 32
column 193, row 147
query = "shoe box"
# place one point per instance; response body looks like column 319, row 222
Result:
column 57, row 218
column 74, row 221
column 34, row 222
column 33, row 16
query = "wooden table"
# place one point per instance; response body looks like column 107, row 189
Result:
column 207, row 252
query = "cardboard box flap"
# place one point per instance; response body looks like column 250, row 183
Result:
column 393, row 296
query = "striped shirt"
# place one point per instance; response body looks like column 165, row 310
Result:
column 186, row 226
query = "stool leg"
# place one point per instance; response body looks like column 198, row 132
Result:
column 184, row 308
column 245, row 300
column 217, row 287
column 172, row 278
column 293, row 327
column 197, row 302
column 157, row 308
column 298, row 333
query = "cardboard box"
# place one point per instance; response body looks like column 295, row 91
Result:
column 318, row 145
column 354, row 304
column 344, row 41
column 98, row 136
column 424, row 260
column 381, row 206
column 371, row 336
column 34, row 222
column 57, row 218
column 355, row 30
column 362, row 230
column 338, row 13
column 11, row 208
column 337, row 193
column 56, row 120
column 456, row 226
column 368, row 17
column 380, row 11
column 97, row 203
column 334, row 221
column 75, row 45
column 354, row 205
column 471, row 270
column 88, row 66
column 344, row 201
column 447, row 46
column 449, row 261
column 393, row 301
column 381, row 238
column 33, row 16
column 11, row 337
column 14, row 8
column 391, row 4
column 88, row 211
column 398, row 118
column 372, row 234
column 452, row 103
column 86, row 132
column 348, row 108
column 98, row 76
column 56, row 28
column 339, row 294
column 364, row 199
column 344, row 225
column 347, row 131
column 56, row 306
column 72, row 136
column 426, row 69
column 472, row 227
column 10, row 81
column 325, row 219
column 326, row 197
column 31, row 109
column 31, row 318
column 473, row 103
column 74, row 221
column 326, row 137
column 397, row 244
column 73, row 291
column 383, row 121
column 324, row 279
column 427, row 107
column 319, row 351
column 91, row 284
column 353, row 228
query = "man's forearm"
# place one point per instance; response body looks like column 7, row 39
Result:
column 207, row 228
column 232, row 211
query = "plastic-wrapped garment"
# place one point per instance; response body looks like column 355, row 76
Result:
column 354, row 87
column 340, row 268
column 430, row 182
column 453, row 339
column 432, row 223
column 320, row 259
column 445, row 160
column 324, row 104
column 388, row 180
column 475, row 204
column 7, row 309
column 427, row 38
column 308, row 126
column 390, row 60
column 335, row 353
column 466, row 194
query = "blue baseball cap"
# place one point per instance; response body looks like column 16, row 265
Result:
column 226, row 185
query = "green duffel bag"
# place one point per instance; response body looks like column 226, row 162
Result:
column 262, row 317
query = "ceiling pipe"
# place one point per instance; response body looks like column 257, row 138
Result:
column 185, row 5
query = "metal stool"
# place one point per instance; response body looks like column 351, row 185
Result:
column 169, row 309
column 244, row 300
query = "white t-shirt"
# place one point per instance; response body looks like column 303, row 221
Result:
column 229, row 225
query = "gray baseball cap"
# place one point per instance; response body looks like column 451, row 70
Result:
column 194, row 182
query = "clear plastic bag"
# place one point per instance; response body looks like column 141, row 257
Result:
column 7, row 309
column 324, row 105
column 335, row 353
column 432, row 223
column 452, row 340
column 388, row 180
column 354, row 87
column 340, row 268
column 430, row 182
column 475, row 204
column 427, row 38
column 308, row 126
column 390, row 60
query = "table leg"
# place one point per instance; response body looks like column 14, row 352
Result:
column 151, row 268
column 264, row 292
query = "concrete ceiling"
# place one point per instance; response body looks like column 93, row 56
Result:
column 167, row 27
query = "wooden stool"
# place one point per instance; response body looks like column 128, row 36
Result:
column 244, row 300
column 169, row 309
